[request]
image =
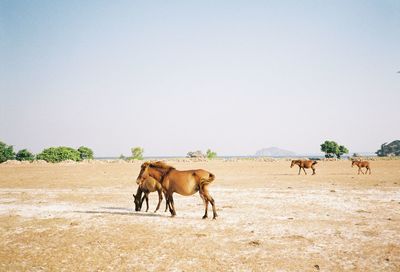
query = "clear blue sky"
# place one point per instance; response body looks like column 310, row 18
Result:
column 174, row 76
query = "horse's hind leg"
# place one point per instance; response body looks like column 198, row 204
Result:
column 299, row 170
column 313, row 170
column 205, row 201
column 209, row 198
column 304, row 171
column 369, row 170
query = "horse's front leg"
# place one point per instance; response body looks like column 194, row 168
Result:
column 313, row 170
column 166, row 202
column 304, row 171
column 299, row 169
column 141, row 201
column 171, row 204
column 359, row 169
column 159, row 200
column 147, row 201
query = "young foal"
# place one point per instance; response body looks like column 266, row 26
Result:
column 304, row 164
column 148, row 186
column 360, row 165
column 185, row 183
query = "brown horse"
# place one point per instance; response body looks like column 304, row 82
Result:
column 304, row 164
column 148, row 186
column 362, row 164
column 185, row 183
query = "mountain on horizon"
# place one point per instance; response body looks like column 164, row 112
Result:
column 274, row 152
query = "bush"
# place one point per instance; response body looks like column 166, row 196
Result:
column 24, row 155
column 137, row 153
column 6, row 152
column 211, row 154
column 85, row 153
column 58, row 154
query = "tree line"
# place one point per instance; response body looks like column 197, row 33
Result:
column 62, row 153
column 51, row 154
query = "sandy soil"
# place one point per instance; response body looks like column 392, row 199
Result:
column 80, row 217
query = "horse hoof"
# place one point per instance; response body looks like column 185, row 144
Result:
column 204, row 217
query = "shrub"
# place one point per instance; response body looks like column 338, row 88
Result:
column 85, row 153
column 24, row 155
column 6, row 152
column 137, row 153
column 211, row 154
column 58, row 154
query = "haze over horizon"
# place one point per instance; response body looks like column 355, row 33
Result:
column 173, row 77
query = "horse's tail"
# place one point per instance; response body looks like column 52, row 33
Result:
column 205, row 181
column 314, row 162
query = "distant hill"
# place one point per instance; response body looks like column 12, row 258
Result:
column 274, row 152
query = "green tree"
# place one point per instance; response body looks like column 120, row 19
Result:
column 342, row 150
column 332, row 149
column 211, row 154
column 137, row 153
column 24, row 155
column 6, row 152
column 85, row 153
column 58, row 154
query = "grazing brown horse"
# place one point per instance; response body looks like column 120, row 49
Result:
column 148, row 186
column 304, row 164
column 185, row 183
column 362, row 164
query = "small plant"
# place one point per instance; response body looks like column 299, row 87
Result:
column 85, row 153
column 137, row 153
column 6, row 152
column 211, row 154
column 24, row 155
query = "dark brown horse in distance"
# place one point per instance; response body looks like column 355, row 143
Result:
column 362, row 164
column 185, row 183
column 304, row 164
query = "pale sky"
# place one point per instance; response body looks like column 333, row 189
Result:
column 175, row 76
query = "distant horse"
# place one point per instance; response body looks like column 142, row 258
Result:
column 362, row 164
column 185, row 183
column 147, row 186
column 304, row 164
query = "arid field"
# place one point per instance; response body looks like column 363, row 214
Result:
column 80, row 217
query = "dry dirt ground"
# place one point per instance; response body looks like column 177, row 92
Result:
column 80, row 217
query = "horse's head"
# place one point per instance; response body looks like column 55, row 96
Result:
column 144, row 173
column 353, row 162
column 292, row 164
column 137, row 198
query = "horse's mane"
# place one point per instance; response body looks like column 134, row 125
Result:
column 161, row 165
